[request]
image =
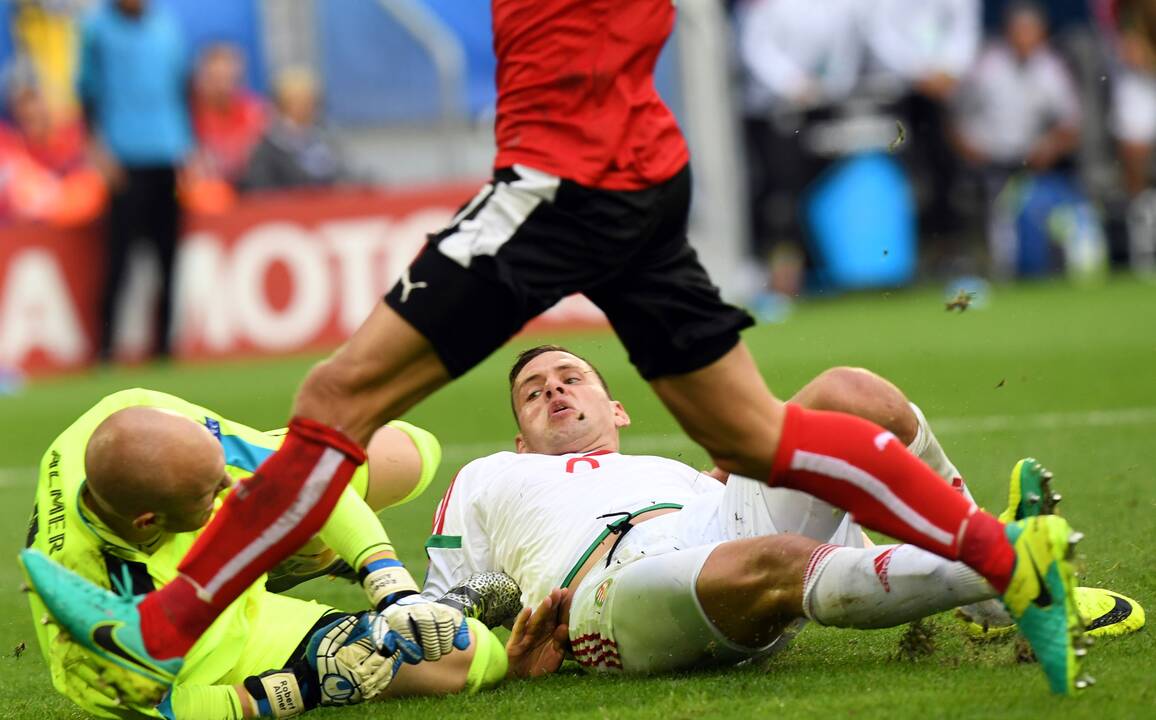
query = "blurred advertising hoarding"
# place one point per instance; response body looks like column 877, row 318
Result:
column 278, row 273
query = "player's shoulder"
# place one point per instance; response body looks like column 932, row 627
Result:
column 492, row 464
column 142, row 397
column 657, row 461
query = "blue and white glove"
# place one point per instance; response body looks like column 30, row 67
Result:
column 342, row 666
column 433, row 628
column 347, row 664
column 430, row 628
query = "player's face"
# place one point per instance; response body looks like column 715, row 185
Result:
column 192, row 506
column 563, row 408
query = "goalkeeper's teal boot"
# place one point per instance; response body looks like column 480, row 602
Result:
column 102, row 621
column 1029, row 492
column 1041, row 598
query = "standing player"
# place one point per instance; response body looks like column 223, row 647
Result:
column 590, row 194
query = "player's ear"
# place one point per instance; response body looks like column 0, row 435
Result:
column 144, row 520
column 621, row 419
column 519, row 443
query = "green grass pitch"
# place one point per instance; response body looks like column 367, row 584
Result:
column 1067, row 375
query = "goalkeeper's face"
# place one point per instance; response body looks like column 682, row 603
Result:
column 562, row 407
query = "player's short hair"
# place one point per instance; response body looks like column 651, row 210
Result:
column 526, row 356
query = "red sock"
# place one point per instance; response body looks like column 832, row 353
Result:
column 264, row 520
column 856, row 465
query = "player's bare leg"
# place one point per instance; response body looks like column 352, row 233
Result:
column 383, row 370
column 847, row 461
column 865, row 394
column 753, row 589
column 862, row 393
column 857, row 465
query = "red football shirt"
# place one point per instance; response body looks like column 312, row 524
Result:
column 576, row 95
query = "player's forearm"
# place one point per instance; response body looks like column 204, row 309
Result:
column 354, row 532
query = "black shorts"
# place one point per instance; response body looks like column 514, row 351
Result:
column 529, row 239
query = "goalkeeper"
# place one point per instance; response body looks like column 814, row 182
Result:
column 124, row 492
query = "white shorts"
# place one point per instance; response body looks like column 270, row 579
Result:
column 641, row 614
column 1133, row 111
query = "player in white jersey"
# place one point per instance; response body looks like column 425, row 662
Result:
column 668, row 567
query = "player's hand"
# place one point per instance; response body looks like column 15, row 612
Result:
column 346, row 662
column 539, row 639
column 434, row 628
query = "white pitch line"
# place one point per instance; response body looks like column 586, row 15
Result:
column 16, row 476
column 13, row 476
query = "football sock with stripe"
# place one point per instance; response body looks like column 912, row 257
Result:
column 262, row 521
column 856, row 465
column 926, row 447
column 885, row 586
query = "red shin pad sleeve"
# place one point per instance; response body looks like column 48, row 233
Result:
column 856, row 465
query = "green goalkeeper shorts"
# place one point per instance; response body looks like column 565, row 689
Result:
column 278, row 627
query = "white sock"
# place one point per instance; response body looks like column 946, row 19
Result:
column 884, row 586
column 926, row 447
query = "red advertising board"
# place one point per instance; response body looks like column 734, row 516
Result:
column 278, row 273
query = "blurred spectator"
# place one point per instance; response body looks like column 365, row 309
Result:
column 295, row 152
column 1018, row 123
column 926, row 47
column 227, row 118
column 1131, row 28
column 801, row 59
column 55, row 140
column 133, row 81
column 44, row 174
column 1133, row 111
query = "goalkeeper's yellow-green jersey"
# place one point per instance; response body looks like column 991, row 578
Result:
column 74, row 537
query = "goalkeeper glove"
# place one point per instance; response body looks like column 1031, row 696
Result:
column 342, row 666
column 435, row 629
column 492, row 597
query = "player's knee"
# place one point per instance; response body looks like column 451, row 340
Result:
column 838, row 388
column 858, row 391
column 771, row 576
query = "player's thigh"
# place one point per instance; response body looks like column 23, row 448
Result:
column 279, row 630
column 663, row 305
column 385, row 368
column 749, row 508
column 645, row 617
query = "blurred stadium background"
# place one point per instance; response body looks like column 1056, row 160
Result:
column 837, row 146
column 844, row 190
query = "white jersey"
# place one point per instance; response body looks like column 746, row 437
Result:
column 534, row 516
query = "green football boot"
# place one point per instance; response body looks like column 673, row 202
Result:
column 1030, row 492
column 102, row 621
column 1041, row 598
column 1105, row 614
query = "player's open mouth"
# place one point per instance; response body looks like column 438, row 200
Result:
column 558, row 409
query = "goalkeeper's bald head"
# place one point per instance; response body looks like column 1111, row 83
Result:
column 150, row 470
